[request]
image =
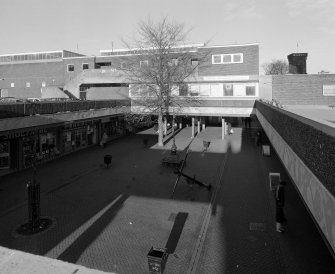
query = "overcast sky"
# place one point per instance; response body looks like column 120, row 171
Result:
column 87, row 26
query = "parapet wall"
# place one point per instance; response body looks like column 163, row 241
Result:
column 308, row 154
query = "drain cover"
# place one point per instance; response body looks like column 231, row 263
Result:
column 257, row 226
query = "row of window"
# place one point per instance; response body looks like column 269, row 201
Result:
column 227, row 58
column 201, row 90
column 28, row 85
column 70, row 67
column 216, row 59
column 30, row 57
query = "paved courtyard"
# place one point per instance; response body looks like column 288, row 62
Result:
column 109, row 218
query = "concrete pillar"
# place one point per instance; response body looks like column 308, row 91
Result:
column 192, row 127
column 203, row 123
column 165, row 126
column 223, row 128
column 199, row 125
column 180, row 125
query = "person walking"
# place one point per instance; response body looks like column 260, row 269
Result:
column 280, row 202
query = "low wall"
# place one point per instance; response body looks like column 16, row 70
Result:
column 308, row 155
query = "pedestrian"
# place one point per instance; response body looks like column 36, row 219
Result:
column 258, row 139
column 280, row 202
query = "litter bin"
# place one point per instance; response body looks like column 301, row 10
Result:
column 108, row 160
column 157, row 258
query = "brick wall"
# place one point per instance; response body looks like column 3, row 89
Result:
column 35, row 73
column 314, row 147
column 302, row 89
column 250, row 65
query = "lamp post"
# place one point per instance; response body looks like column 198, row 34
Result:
column 173, row 147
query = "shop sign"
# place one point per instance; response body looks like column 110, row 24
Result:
column 72, row 125
column 22, row 134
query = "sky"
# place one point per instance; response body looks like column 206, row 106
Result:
column 280, row 27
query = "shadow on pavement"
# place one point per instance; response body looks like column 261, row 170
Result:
column 73, row 252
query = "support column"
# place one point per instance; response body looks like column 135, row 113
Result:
column 203, row 123
column 223, row 127
column 192, row 127
column 199, row 125
column 165, row 126
column 180, row 125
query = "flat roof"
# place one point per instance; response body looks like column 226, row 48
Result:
column 321, row 114
column 53, row 120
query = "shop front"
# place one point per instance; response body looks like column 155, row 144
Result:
column 20, row 148
column 78, row 135
column 113, row 127
column 4, row 155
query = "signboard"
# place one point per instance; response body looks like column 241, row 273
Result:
column 274, row 179
column 266, row 150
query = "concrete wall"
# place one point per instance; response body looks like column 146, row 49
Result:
column 317, row 190
column 110, row 93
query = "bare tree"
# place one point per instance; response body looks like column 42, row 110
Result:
column 158, row 68
column 276, row 67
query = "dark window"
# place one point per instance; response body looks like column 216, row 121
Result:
column 250, row 91
column 70, row 67
column 85, row 66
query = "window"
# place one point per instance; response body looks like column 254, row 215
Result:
column 144, row 63
column 216, row 59
column 194, row 62
column 174, row 62
column 228, row 90
column 70, row 67
column 237, row 58
column 227, row 58
column 27, row 85
column 328, row 90
column 85, row 66
column 183, row 90
column 12, row 85
column 204, row 90
column 194, row 90
column 250, row 91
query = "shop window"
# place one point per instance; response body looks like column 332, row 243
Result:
column 85, row 66
column 4, row 154
column 70, row 67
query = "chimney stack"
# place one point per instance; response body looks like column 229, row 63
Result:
column 297, row 63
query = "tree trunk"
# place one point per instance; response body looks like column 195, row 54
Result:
column 160, row 129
